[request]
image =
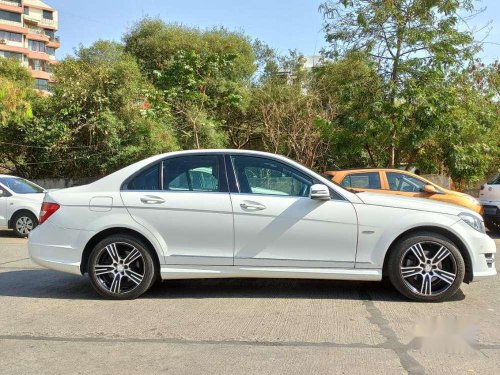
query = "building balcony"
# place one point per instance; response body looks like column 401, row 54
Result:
column 54, row 43
column 40, row 74
column 9, row 48
column 15, row 29
column 11, row 6
column 14, row 3
column 38, row 36
column 38, row 55
column 48, row 23
column 11, row 23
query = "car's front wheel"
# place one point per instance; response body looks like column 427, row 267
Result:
column 426, row 267
column 121, row 267
column 23, row 223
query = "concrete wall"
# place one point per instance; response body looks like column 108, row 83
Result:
column 61, row 183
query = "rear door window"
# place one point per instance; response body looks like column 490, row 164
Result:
column 365, row 180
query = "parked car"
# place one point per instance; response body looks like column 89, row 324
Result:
column 398, row 182
column 489, row 196
column 20, row 203
column 237, row 213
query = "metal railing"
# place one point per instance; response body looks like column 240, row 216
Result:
column 9, row 22
column 11, row 3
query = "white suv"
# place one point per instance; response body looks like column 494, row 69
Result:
column 489, row 196
column 20, row 203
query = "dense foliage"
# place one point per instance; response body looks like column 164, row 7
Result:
column 399, row 86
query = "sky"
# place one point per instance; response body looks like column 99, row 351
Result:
column 283, row 24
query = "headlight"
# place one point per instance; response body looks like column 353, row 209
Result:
column 473, row 221
column 471, row 199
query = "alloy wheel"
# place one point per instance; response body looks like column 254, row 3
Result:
column 428, row 268
column 119, row 267
column 24, row 225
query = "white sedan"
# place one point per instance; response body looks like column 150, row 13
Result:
column 234, row 213
column 20, row 202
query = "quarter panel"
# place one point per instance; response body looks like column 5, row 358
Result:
column 379, row 226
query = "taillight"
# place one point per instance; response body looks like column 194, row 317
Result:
column 48, row 208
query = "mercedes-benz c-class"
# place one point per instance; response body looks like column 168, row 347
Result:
column 237, row 213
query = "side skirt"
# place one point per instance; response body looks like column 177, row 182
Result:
column 213, row 272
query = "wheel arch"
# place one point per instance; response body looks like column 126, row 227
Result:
column 469, row 275
column 114, row 231
column 10, row 223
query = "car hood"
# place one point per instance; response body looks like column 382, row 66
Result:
column 410, row 203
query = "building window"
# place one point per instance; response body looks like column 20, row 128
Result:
column 27, row 11
column 36, row 46
column 50, row 33
column 12, row 37
column 47, row 14
column 10, row 16
column 37, row 65
column 50, row 50
column 14, row 3
column 11, row 55
column 42, row 84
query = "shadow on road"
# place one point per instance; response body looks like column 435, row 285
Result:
column 51, row 284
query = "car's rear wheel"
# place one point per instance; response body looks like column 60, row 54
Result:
column 426, row 267
column 492, row 224
column 23, row 223
column 121, row 267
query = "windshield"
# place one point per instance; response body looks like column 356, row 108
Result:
column 495, row 180
column 20, row 185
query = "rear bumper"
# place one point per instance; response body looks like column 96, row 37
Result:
column 56, row 248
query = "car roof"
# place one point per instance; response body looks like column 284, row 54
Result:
column 368, row 170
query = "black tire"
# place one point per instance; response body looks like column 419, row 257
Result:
column 106, row 271
column 492, row 224
column 23, row 223
column 403, row 259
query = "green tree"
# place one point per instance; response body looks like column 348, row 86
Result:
column 418, row 49
column 16, row 89
column 203, row 75
column 112, row 113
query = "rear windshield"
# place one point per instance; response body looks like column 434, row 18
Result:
column 20, row 185
column 495, row 180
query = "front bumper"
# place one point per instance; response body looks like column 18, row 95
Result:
column 482, row 249
column 57, row 248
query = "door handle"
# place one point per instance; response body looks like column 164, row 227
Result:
column 151, row 199
column 252, row 206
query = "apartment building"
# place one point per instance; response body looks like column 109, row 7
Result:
column 27, row 33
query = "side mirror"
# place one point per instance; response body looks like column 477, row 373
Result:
column 320, row 192
column 429, row 189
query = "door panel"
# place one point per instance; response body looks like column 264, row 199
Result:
column 277, row 224
column 185, row 201
column 294, row 231
column 197, row 227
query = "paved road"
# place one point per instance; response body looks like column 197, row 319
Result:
column 54, row 323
